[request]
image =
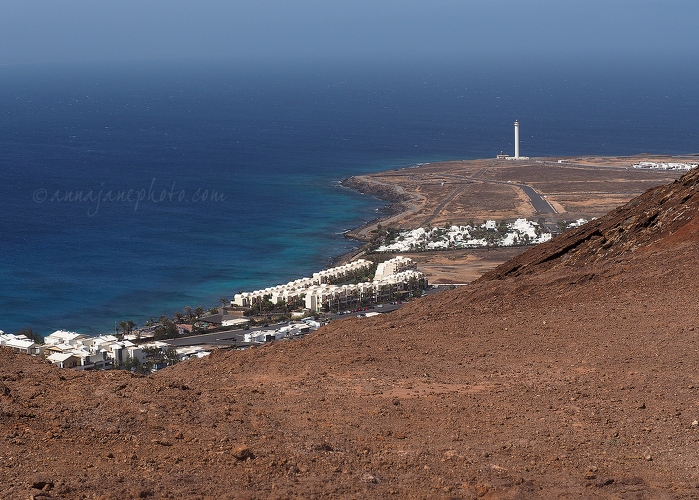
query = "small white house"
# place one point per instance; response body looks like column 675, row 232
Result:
column 64, row 359
column 64, row 337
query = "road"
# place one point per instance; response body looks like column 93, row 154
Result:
column 230, row 337
column 538, row 202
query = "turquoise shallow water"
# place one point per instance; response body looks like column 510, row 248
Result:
column 272, row 144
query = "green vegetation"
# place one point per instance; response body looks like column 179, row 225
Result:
column 155, row 356
column 382, row 236
column 134, row 365
column 31, row 334
column 167, row 329
column 127, row 326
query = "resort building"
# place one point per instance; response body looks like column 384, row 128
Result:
column 394, row 266
column 64, row 360
column 74, row 350
column 393, row 277
column 290, row 330
column 318, row 293
column 63, row 337
column 295, row 291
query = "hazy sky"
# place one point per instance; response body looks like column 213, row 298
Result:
column 89, row 30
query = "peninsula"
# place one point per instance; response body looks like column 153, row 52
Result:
column 554, row 191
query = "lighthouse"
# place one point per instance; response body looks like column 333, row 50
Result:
column 503, row 156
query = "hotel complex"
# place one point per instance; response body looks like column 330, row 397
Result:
column 321, row 293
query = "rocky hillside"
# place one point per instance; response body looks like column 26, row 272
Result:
column 668, row 215
column 571, row 371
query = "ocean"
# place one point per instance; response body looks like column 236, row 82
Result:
column 131, row 190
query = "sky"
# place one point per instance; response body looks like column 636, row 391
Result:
column 55, row 31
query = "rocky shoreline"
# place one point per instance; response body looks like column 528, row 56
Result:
column 395, row 206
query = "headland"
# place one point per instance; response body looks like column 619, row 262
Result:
column 550, row 190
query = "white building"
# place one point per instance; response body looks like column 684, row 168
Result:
column 393, row 266
column 392, row 276
column 296, row 291
column 19, row 343
column 64, row 359
column 64, row 337
column 318, row 294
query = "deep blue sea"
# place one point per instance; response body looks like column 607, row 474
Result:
column 132, row 190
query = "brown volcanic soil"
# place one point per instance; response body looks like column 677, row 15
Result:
column 570, row 371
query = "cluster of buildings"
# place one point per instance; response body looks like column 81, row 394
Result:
column 287, row 331
column 664, row 165
column 393, row 277
column 294, row 291
column 318, row 293
column 75, row 350
column 72, row 350
column 19, row 343
column 519, row 232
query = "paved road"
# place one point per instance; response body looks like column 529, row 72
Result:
column 216, row 338
column 538, row 202
column 227, row 338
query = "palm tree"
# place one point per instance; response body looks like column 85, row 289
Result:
column 127, row 326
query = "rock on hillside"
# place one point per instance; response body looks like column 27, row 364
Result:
column 572, row 372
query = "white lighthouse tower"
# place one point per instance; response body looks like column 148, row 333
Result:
column 516, row 140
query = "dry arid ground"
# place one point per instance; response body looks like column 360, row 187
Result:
column 571, row 371
column 460, row 266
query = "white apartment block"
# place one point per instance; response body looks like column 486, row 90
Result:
column 296, row 290
column 394, row 266
column 392, row 276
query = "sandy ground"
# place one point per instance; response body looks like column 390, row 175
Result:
column 476, row 190
column 460, row 266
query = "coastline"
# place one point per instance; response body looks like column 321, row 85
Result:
column 400, row 202
column 397, row 205
column 414, row 194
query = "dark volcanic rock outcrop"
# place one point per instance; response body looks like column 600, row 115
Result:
column 386, row 192
column 571, row 371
